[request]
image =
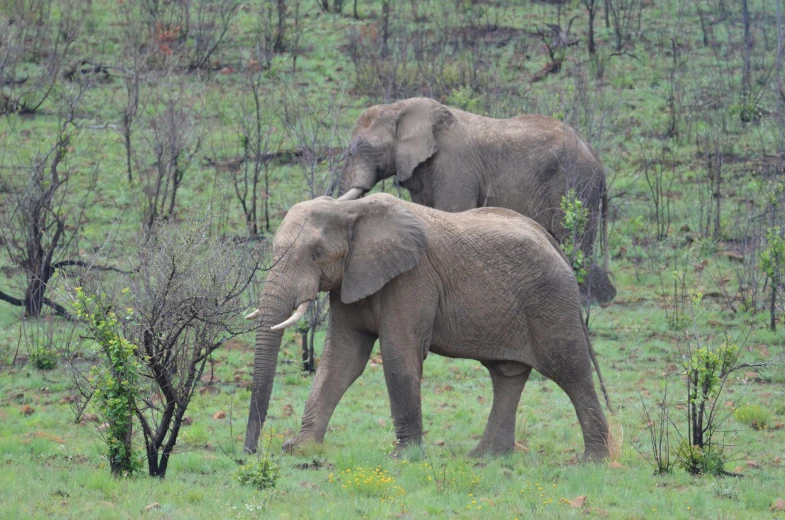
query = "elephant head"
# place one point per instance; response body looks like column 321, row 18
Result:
column 392, row 140
column 353, row 247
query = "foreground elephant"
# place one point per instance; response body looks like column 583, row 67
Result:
column 487, row 284
column 455, row 161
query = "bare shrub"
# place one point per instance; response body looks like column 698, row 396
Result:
column 712, row 141
column 659, row 171
column 313, row 128
column 187, row 32
column 626, row 18
column 185, row 299
column 43, row 205
column 658, row 428
column 403, row 56
column 36, row 39
column 250, row 164
column 271, row 31
column 171, row 137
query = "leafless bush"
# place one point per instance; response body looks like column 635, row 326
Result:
column 208, row 29
column 626, row 18
column 337, row 6
column 659, row 171
column 260, row 142
column 43, row 204
column 590, row 110
column 188, row 31
column 171, row 137
column 712, row 141
column 186, row 298
column 748, row 277
column 35, row 43
column 658, row 429
column 556, row 44
column 675, row 107
column 271, row 31
column 402, row 56
column 296, row 36
column 313, row 128
column 592, row 6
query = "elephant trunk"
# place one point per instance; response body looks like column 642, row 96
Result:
column 275, row 306
column 356, row 180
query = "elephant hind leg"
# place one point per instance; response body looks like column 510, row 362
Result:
column 584, row 398
column 508, row 380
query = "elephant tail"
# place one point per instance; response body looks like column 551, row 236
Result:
column 604, row 237
column 597, row 367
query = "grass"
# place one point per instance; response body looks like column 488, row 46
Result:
column 60, row 463
column 54, row 467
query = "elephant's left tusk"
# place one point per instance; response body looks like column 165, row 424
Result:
column 255, row 314
column 299, row 313
column 354, row 193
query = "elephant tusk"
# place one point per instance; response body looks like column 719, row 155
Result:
column 354, row 193
column 255, row 314
column 298, row 313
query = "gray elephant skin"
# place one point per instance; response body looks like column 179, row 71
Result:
column 454, row 161
column 486, row 284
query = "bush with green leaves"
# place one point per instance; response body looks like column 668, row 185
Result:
column 43, row 358
column 707, row 369
column 575, row 218
column 464, row 98
column 261, row 474
column 696, row 460
column 115, row 381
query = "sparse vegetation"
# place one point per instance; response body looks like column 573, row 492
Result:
column 122, row 123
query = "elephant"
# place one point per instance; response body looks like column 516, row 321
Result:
column 454, row 161
column 487, row 284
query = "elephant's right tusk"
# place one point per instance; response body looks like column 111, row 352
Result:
column 294, row 318
column 354, row 193
column 255, row 314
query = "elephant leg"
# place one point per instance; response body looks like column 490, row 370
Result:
column 346, row 352
column 594, row 426
column 403, row 373
column 508, row 381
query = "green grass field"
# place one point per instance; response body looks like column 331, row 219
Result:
column 53, row 467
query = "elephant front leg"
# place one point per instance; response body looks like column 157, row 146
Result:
column 404, row 391
column 508, row 381
column 344, row 357
column 403, row 373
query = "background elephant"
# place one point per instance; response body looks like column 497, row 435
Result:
column 487, row 284
column 455, row 161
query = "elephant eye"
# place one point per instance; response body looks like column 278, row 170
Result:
column 317, row 253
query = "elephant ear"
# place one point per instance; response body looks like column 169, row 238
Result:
column 414, row 138
column 385, row 241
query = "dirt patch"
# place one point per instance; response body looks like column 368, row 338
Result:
column 314, row 464
column 40, row 434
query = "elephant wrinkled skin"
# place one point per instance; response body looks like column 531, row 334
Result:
column 487, row 284
column 454, row 161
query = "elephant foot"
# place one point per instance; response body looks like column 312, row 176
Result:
column 407, row 450
column 483, row 450
column 299, row 443
column 595, row 455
